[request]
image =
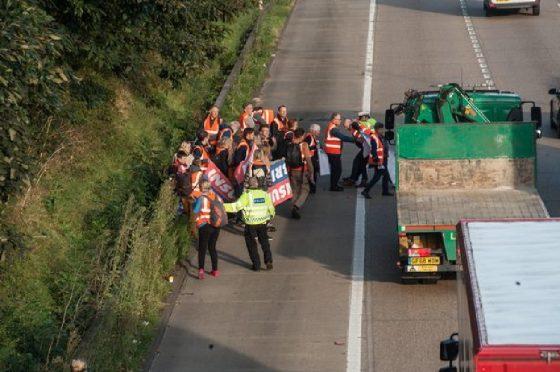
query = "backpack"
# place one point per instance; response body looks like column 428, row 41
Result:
column 293, row 155
column 218, row 215
column 183, row 185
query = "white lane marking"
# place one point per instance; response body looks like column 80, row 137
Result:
column 354, row 344
column 473, row 36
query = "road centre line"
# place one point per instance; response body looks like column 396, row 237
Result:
column 473, row 36
column 354, row 341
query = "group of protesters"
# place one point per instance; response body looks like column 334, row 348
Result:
column 241, row 153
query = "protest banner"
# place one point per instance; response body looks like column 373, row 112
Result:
column 280, row 191
column 220, row 183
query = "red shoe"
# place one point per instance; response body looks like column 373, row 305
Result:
column 200, row 274
column 215, row 273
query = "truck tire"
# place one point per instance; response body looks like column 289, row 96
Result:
column 536, row 10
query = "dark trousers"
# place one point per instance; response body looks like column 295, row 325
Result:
column 359, row 167
column 335, row 162
column 315, row 161
column 252, row 234
column 207, row 238
column 379, row 173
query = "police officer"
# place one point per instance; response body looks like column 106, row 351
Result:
column 257, row 209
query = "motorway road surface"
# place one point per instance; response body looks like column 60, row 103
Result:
column 295, row 318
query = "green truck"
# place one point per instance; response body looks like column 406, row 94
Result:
column 459, row 154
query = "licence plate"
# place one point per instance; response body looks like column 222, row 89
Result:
column 502, row 1
column 423, row 260
column 421, row 268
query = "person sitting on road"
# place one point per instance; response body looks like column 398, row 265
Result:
column 257, row 209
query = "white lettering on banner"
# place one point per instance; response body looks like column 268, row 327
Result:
column 279, row 172
column 218, row 182
column 281, row 192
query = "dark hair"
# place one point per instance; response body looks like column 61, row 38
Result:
column 264, row 126
column 292, row 123
column 355, row 125
column 281, row 106
column 299, row 132
column 247, row 104
column 334, row 115
column 247, row 131
column 379, row 125
column 201, row 134
column 181, row 154
column 258, row 108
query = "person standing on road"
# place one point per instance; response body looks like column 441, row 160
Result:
column 312, row 141
column 207, row 234
column 300, row 170
column 378, row 161
column 333, row 148
column 257, row 209
column 360, row 162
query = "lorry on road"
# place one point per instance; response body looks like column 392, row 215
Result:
column 508, row 297
column 447, row 170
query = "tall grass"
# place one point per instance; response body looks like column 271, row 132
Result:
column 99, row 226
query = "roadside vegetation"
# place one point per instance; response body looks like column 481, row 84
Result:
column 94, row 99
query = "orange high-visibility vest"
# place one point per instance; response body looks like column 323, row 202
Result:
column 333, row 145
column 268, row 116
column 282, row 123
column 196, row 177
column 212, row 127
column 203, row 215
column 363, row 128
column 242, row 119
column 312, row 144
column 380, row 150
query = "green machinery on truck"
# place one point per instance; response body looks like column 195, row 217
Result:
column 459, row 154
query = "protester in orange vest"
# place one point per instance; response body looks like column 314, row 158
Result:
column 263, row 116
column 378, row 161
column 278, row 128
column 300, row 170
column 201, row 149
column 333, row 147
column 360, row 162
column 212, row 125
column 246, row 117
column 312, row 141
column 207, row 234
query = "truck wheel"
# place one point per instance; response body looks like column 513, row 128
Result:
column 536, row 10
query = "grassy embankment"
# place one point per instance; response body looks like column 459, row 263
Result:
column 100, row 220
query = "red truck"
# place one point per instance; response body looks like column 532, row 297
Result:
column 508, row 301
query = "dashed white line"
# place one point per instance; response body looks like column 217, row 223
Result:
column 354, row 344
column 473, row 36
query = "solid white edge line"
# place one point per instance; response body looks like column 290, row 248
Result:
column 354, row 342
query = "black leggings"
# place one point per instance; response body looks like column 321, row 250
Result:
column 207, row 238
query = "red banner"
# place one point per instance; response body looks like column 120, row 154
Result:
column 280, row 191
column 220, row 183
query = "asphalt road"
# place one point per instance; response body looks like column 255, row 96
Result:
column 295, row 318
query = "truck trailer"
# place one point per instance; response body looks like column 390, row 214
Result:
column 447, row 170
column 508, row 288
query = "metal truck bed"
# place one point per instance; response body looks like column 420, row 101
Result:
column 446, row 207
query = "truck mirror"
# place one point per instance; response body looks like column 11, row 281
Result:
column 449, row 349
column 448, row 369
column 536, row 115
column 389, row 119
column 553, row 91
column 389, row 135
